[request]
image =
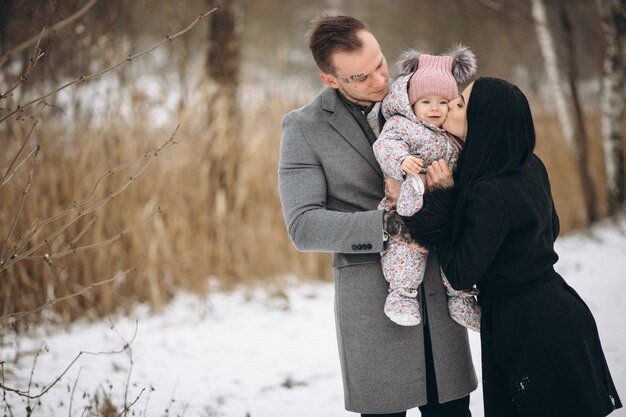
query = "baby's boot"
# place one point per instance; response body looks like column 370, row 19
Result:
column 463, row 306
column 464, row 309
column 402, row 307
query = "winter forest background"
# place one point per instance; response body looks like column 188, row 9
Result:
column 140, row 145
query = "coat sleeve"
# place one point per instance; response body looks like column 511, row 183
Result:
column 485, row 224
column 390, row 150
column 311, row 226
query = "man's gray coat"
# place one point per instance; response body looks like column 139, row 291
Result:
column 330, row 185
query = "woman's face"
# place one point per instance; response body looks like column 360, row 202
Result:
column 456, row 121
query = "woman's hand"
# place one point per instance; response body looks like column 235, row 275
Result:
column 439, row 175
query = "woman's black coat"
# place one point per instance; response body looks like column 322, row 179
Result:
column 541, row 351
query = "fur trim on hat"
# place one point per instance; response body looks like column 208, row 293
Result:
column 464, row 65
column 408, row 60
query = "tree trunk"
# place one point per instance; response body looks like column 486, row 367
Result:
column 580, row 138
column 613, row 14
column 225, row 150
column 569, row 111
column 551, row 63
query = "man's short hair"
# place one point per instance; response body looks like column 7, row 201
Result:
column 330, row 34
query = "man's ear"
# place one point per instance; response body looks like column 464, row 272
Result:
column 329, row 80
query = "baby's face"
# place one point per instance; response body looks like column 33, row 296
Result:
column 432, row 109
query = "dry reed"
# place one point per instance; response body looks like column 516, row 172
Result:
column 199, row 236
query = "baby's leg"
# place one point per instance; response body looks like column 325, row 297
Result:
column 463, row 307
column 411, row 195
column 403, row 267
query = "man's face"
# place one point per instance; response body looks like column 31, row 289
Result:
column 362, row 76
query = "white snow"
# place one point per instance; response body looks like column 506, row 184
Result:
column 264, row 353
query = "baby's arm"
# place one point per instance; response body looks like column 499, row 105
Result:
column 390, row 151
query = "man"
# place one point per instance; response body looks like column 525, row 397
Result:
column 330, row 185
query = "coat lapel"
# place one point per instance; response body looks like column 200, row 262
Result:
column 343, row 122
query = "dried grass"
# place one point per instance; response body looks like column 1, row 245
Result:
column 231, row 232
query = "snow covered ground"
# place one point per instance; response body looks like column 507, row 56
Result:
column 265, row 352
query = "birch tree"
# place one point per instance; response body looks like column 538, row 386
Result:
column 613, row 14
column 566, row 102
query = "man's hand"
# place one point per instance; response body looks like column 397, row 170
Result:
column 439, row 175
column 412, row 165
column 398, row 231
column 395, row 227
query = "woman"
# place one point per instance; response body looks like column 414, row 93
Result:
column 495, row 229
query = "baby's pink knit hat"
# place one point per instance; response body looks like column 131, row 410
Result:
column 433, row 76
column 437, row 75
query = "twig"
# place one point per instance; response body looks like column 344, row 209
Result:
column 148, row 155
column 37, row 54
column 69, row 413
column 83, row 78
column 51, row 302
column 129, row 373
column 127, row 408
column 30, row 379
column 52, row 257
column 20, row 205
column 80, row 234
column 15, row 257
column 4, row 393
column 44, row 391
column 59, row 25
column 9, row 173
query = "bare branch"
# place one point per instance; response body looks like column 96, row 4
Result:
column 4, row 394
column 45, row 32
column 9, row 174
column 52, row 257
column 16, row 256
column 127, row 408
column 31, row 66
column 20, row 205
column 69, row 413
column 80, row 234
column 28, row 395
column 168, row 38
column 18, row 316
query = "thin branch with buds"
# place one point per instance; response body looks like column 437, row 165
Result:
column 18, row 316
column 21, row 244
column 45, row 32
column 83, row 78
column 20, row 205
column 10, row 170
column 31, row 66
column 50, row 258
column 26, row 394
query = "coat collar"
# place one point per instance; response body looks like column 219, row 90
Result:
column 343, row 122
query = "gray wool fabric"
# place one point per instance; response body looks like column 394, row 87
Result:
column 330, row 185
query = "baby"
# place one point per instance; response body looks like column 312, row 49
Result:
column 411, row 139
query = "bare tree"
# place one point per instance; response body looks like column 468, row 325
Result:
column 224, row 122
column 613, row 14
column 569, row 111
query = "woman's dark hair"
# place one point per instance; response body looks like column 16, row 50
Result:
column 500, row 132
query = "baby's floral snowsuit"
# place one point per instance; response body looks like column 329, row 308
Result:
column 403, row 264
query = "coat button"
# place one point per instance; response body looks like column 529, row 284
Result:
column 369, row 246
column 359, row 246
column 353, row 247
